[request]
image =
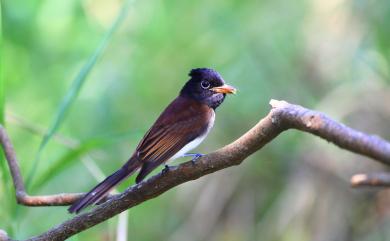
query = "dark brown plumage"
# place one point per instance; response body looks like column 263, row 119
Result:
column 182, row 121
column 181, row 126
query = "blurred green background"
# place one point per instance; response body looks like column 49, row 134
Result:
column 333, row 56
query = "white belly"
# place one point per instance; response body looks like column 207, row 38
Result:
column 193, row 144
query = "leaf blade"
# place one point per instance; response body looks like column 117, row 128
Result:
column 75, row 88
column 73, row 155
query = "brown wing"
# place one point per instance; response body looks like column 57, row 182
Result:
column 181, row 122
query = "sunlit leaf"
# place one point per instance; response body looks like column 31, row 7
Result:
column 76, row 86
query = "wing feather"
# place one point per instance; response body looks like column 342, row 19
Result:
column 183, row 121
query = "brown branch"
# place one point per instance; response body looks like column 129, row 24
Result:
column 283, row 116
column 22, row 197
column 371, row 180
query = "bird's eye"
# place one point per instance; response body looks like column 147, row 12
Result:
column 205, row 84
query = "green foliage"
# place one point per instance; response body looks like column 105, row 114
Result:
column 5, row 187
column 4, row 168
column 73, row 156
column 2, row 92
column 75, row 88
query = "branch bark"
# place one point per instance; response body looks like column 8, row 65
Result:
column 283, row 116
column 381, row 179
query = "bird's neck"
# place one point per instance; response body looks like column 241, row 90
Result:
column 212, row 101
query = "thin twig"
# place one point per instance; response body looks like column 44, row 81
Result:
column 283, row 116
column 22, row 197
column 381, row 179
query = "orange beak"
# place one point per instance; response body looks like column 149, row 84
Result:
column 224, row 89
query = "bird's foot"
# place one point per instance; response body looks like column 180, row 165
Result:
column 195, row 156
column 166, row 169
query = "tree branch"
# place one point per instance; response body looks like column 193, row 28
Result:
column 381, row 179
column 283, row 116
column 62, row 199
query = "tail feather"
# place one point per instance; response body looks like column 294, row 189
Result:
column 101, row 190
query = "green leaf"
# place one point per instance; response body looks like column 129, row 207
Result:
column 72, row 156
column 4, row 168
column 2, row 92
column 8, row 203
column 75, row 88
column 67, row 160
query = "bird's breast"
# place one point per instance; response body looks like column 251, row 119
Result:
column 196, row 142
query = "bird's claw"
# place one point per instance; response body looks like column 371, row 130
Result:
column 166, row 169
column 195, row 156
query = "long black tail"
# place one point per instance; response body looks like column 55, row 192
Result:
column 102, row 189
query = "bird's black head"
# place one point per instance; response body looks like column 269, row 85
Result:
column 206, row 86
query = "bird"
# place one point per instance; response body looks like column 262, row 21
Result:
column 181, row 127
